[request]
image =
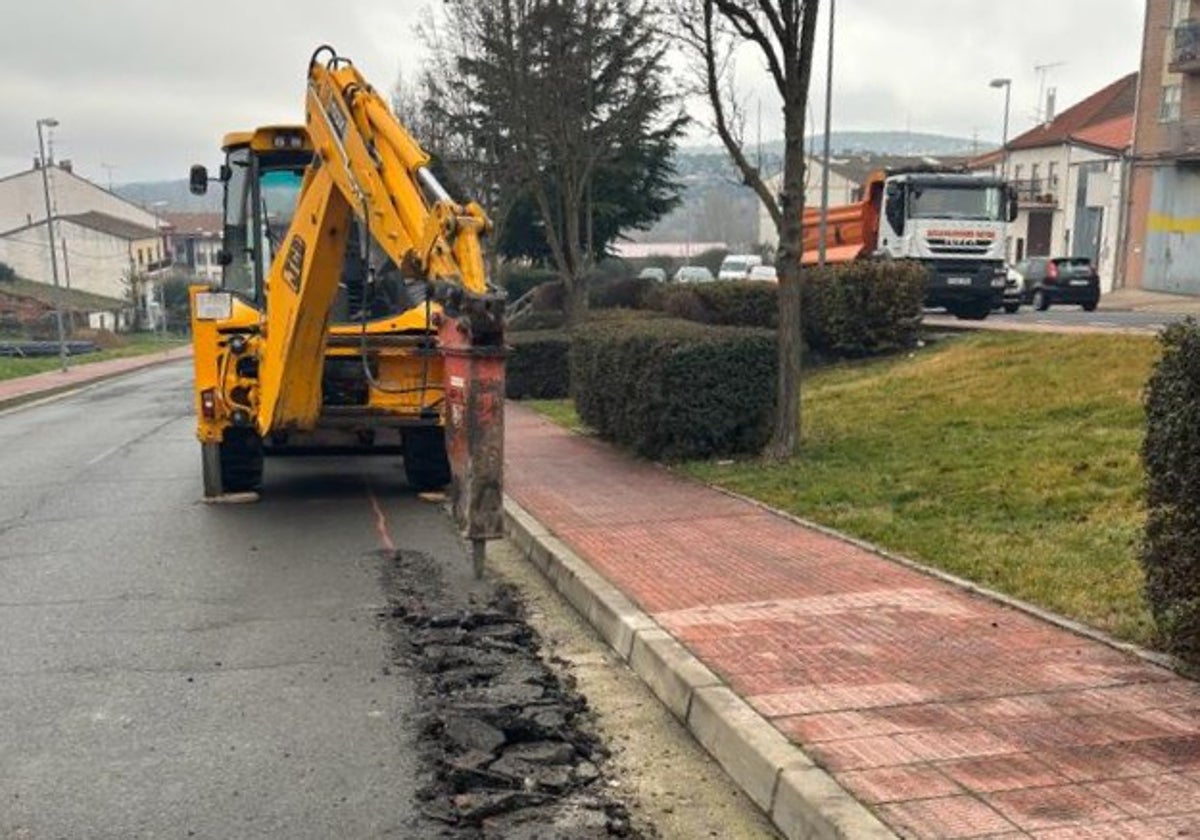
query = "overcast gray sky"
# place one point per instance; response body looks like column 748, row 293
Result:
column 149, row 87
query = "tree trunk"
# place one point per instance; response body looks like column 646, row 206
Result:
column 575, row 300
column 785, row 435
column 575, row 273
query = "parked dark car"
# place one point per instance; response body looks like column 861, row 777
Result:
column 1059, row 280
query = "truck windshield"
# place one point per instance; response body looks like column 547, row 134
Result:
column 958, row 202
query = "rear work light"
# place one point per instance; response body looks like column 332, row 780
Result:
column 208, row 403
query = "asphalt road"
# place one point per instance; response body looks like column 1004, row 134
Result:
column 1063, row 316
column 176, row 669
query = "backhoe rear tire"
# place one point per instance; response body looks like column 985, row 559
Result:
column 425, row 464
column 233, row 466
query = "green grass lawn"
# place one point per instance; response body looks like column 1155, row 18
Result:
column 136, row 346
column 1011, row 460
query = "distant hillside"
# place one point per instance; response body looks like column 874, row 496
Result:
column 175, row 194
column 716, row 206
column 901, row 143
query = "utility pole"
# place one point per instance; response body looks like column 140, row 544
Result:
column 824, row 229
column 50, row 122
column 1007, row 85
column 66, row 265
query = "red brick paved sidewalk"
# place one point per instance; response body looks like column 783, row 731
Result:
column 81, row 372
column 947, row 713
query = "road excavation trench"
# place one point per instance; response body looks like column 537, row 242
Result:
column 509, row 744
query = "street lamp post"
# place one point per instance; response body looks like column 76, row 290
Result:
column 824, row 227
column 162, row 293
column 1007, row 85
column 50, row 122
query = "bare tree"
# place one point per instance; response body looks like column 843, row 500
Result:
column 437, row 109
column 782, row 32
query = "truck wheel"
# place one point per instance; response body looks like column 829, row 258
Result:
column 210, row 466
column 1011, row 308
column 1040, row 302
column 1090, row 306
column 241, row 461
column 973, row 311
column 425, row 464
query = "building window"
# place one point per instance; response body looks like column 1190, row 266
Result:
column 1017, row 172
column 1052, row 176
column 1172, row 99
column 1181, row 11
column 141, row 257
column 201, row 258
column 1034, row 180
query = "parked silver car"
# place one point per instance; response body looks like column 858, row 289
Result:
column 1014, row 290
column 693, row 274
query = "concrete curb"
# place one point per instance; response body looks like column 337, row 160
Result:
column 54, row 392
column 803, row 801
column 950, row 324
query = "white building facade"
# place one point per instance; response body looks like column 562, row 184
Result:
column 1071, row 176
column 195, row 240
column 103, row 244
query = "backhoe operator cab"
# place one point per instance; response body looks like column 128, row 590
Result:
column 384, row 400
column 353, row 312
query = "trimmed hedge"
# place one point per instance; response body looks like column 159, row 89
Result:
column 537, row 365
column 619, row 292
column 1171, row 452
column 864, row 307
column 518, row 280
column 674, row 389
column 851, row 310
column 728, row 303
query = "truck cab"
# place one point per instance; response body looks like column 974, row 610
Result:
column 955, row 224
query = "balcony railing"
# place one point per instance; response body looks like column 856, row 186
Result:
column 1182, row 140
column 1040, row 191
column 1185, row 58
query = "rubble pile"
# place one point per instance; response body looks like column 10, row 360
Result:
column 506, row 738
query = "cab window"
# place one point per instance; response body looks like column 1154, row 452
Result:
column 238, row 275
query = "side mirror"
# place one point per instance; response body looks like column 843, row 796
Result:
column 226, row 172
column 224, row 257
column 198, row 180
column 1013, row 205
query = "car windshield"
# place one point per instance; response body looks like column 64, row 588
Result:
column 734, row 265
column 956, row 202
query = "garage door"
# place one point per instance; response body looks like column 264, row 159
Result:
column 1173, row 232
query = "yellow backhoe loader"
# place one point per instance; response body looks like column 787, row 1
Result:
column 354, row 313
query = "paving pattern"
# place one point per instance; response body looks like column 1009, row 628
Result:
column 950, row 715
